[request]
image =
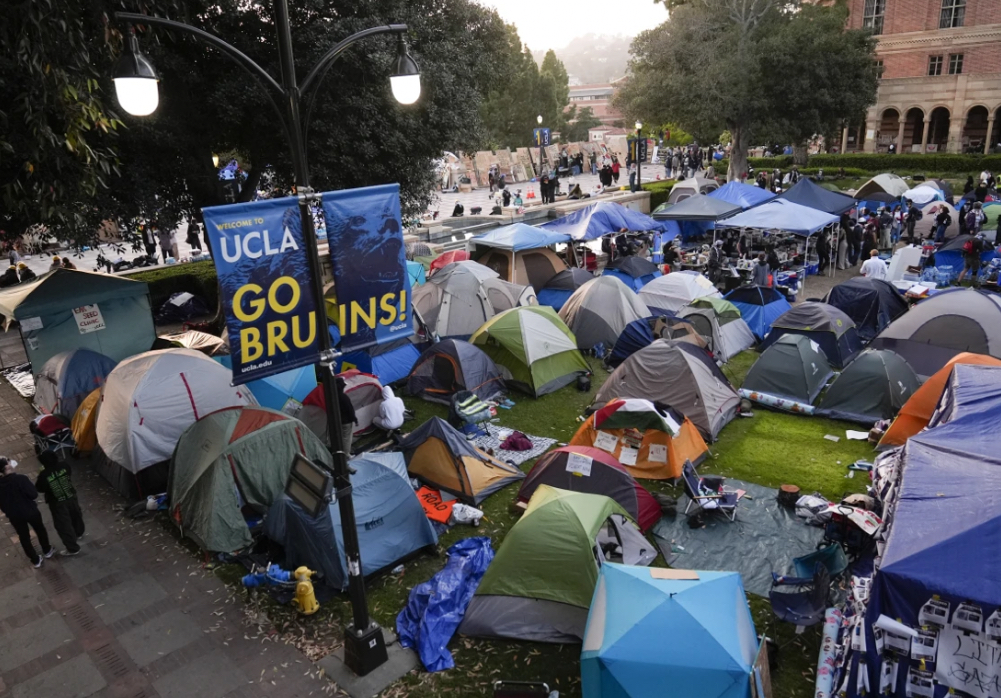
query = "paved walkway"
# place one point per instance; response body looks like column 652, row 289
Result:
column 133, row 616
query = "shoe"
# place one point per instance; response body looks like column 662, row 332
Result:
column 69, row 553
column 80, row 537
column 50, row 553
column 38, row 564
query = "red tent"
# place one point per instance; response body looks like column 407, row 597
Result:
column 447, row 258
column 593, row 471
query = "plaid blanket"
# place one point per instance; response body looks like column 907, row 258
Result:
column 539, row 445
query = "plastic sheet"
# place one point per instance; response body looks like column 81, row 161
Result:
column 436, row 607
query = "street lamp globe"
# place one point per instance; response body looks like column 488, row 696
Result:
column 406, row 79
column 136, row 81
column 539, row 119
column 639, row 125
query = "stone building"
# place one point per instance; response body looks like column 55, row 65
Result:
column 940, row 89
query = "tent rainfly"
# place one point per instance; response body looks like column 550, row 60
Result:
column 641, row 333
column 634, row 272
column 688, row 188
column 759, row 307
column 454, row 302
column 599, row 310
column 872, row 304
column 887, row 183
column 807, row 193
column 794, row 368
column 602, row 218
column 504, row 295
column 451, row 365
column 519, row 253
column 68, row 378
column 719, row 321
column 670, row 293
column 874, row 386
column 562, row 286
column 824, row 324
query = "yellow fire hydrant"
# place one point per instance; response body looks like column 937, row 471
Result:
column 305, row 599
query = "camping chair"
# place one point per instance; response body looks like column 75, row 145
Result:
column 707, row 498
column 467, row 411
column 52, row 433
column 801, row 600
column 832, row 557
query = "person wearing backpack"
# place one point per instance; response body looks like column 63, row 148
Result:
column 942, row 221
column 975, row 219
column 913, row 216
column 972, row 249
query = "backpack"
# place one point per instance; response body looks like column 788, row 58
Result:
column 971, row 220
column 968, row 247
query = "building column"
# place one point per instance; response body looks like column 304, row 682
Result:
column 924, row 135
column 869, row 128
column 844, row 140
column 900, row 134
column 990, row 132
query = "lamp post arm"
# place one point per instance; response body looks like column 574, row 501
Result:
column 271, row 86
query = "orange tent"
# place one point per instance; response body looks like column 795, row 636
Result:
column 918, row 409
column 658, row 455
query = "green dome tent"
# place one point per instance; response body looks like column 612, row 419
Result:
column 794, row 367
column 874, row 386
column 535, row 347
column 540, row 584
column 229, row 459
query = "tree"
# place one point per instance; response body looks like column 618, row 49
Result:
column 762, row 69
column 579, row 122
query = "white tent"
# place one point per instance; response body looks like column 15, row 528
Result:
column 151, row 398
column 923, row 194
column 504, row 295
column 888, row 183
column 690, row 187
column 673, row 291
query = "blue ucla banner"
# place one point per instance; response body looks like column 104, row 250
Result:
column 371, row 282
column 267, row 293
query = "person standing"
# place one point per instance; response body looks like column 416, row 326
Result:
column 854, row 242
column 615, row 170
column 942, row 221
column 166, row 239
column 913, row 216
column 972, row 249
column 54, row 482
column 759, row 272
column 715, row 262
column 149, row 241
column 676, row 165
column 544, row 187
column 348, row 417
column 874, row 267
column 17, row 502
column 974, row 220
column 885, row 226
column 823, row 252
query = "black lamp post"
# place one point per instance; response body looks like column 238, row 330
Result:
column 539, row 121
column 639, row 159
column 136, row 87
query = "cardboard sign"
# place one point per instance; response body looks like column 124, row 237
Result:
column 658, row 453
column 88, row 318
column 578, row 464
column 627, row 456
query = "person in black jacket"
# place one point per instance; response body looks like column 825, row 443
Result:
column 348, row 418
column 17, row 502
column 55, row 483
column 10, row 277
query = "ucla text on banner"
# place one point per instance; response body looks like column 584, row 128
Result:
column 371, row 282
column 267, row 292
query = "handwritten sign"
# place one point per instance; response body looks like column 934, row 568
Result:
column 581, row 465
column 627, row 456
column 606, row 441
column 88, row 318
column 658, row 453
column 969, row 663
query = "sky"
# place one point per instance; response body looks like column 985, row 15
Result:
column 551, row 25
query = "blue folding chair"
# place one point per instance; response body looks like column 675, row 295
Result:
column 706, row 498
column 831, row 557
column 801, row 600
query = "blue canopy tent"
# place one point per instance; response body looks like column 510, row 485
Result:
column 696, row 215
column 652, row 635
column 759, row 307
column 518, row 237
column 519, row 253
column 780, row 214
column 417, row 272
column 740, row 194
column 634, row 272
column 603, row 218
column 807, row 193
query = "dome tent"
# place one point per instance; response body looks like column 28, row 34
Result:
column 641, row 333
column 824, row 324
column 504, row 295
column 362, row 389
column 759, row 306
column 874, row 386
column 84, row 424
column 951, row 253
column 672, row 292
column 451, row 365
column 680, row 375
column 69, row 377
column 598, row 311
column 936, row 329
column 454, row 302
column 719, row 322
column 148, row 402
column 440, row 456
column 634, row 272
column 208, row 344
column 519, row 253
column 540, row 583
column 872, row 304
column 389, row 362
column 559, row 288
column 593, row 471
column 391, row 524
column 230, row 460
column 653, row 440
column 794, row 367
column 537, row 350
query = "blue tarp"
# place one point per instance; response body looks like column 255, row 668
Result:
column 654, row 637
column 417, row 272
column 951, row 253
column 807, row 193
column 387, row 362
column 780, row 214
column 519, row 237
column 740, row 194
column 436, row 607
column 759, row 307
column 602, row 218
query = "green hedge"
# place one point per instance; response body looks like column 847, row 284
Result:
column 198, row 278
column 659, row 191
column 862, row 164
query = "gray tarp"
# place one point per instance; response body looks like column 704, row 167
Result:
column 764, row 538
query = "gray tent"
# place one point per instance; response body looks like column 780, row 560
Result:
column 719, row 321
column 874, row 386
column 504, row 295
column 599, row 310
column 680, row 375
column 948, row 323
column 824, row 324
column 454, row 302
column 794, row 367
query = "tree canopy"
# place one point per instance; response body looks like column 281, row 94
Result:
column 767, row 70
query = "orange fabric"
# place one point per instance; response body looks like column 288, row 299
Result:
column 84, row 423
column 688, row 445
column 918, row 409
column 251, row 420
column 434, row 508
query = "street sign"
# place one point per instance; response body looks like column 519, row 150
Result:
column 541, row 136
column 643, row 147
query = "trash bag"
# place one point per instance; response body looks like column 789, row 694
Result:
column 436, row 607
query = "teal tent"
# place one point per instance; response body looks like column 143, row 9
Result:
column 55, row 315
column 657, row 632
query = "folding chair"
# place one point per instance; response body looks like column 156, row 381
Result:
column 707, row 498
column 52, row 433
column 832, row 557
column 466, row 412
column 801, row 600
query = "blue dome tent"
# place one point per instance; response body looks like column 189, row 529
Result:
column 67, row 378
column 388, row 362
column 634, row 272
column 561, row 287
column 759, row 306
column 650, row 633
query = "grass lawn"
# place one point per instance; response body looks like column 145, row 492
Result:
column 770, row 448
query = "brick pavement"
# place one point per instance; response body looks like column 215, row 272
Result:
column 133, row 616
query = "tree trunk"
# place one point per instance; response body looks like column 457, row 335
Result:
column 738, row 153
column 799, row 156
